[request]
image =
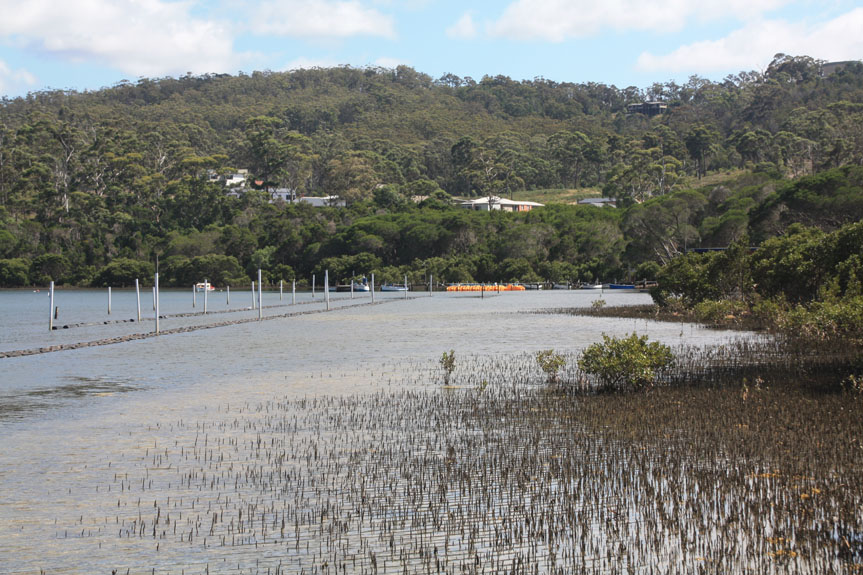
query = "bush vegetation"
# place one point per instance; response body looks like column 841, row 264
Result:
column 550, row 363
column 447, row 363
column 131, row 173
column 629, row 363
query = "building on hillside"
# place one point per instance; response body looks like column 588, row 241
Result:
column 284, row 194
column 598, row 202
column 488, row 203
column 323, row 201
column 830, row 68
column 287, row 195
column 649, row 109
column 234, row 181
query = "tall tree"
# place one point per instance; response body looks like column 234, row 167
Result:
column 700, row 142
column 569, row 149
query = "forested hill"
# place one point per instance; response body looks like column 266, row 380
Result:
column 124, row 174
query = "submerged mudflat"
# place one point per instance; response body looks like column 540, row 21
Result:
column 507, row 479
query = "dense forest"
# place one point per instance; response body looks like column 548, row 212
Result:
column 98, row 188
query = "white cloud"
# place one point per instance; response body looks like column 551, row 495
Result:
column 12, row 81
column 754, row 46
column 464, row 28
column 138, row 37
column 411, row 5
column 321, row 19
column 559, row 20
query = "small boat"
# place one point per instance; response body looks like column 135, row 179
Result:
column 591, row 286
column 621, row 286
column 394, row 287
column 561, row 286
column 204, row 286
column 353, row 286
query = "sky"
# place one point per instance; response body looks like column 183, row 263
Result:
column 91, row 44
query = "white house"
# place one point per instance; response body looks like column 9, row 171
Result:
column 324, row 201
column 489, row 203
column 286, row 194
column 234, row 181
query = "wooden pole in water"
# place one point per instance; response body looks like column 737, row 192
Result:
column 327, row 288
column 431, row 284
column 373, row 288
column 51, row 307
column 138, row 297
column 109, row 300
column 294, row 291
column 313, row 285
column 406, row 286
column 352, row 287
column 228, row 302
column 206, row 285
column 193, row 296
column 156, row 299
column 260, row 296
column 253, row 295
column 281, row 286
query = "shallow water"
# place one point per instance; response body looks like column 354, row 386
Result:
column 350, row 339
column 77, row 426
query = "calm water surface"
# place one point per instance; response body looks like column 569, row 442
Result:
column 71, row 420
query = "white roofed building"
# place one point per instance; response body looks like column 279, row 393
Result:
column 488, row 203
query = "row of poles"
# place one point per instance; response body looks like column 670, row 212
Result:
column 256, row 295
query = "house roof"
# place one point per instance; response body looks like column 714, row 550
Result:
column 499, row 201
column 597, row 201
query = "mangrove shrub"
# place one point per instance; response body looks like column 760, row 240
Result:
column 626, row 363
column 447, row 363
column 551, row 363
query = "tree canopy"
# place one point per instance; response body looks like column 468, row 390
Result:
column 97, row 185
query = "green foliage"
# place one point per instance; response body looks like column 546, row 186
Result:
column 48, row 267
column 696, row 277
column 551, row 363
column 7, row 242
column 350, row 266
column 123, row 272
column 647, row 270
column 685, row 278
column 839, row 321
column 14, row 272
column 219, row 270
column 132, row 172
column 447, row 363
column 282, row 272
column 806, row 284
column 626, row 363
column 829, row 198
column 719, row 312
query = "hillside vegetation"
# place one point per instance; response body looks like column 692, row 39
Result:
column 98, row 188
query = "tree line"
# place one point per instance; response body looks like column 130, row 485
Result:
column 96, row 187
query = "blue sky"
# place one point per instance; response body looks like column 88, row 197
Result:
column 89, row 44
